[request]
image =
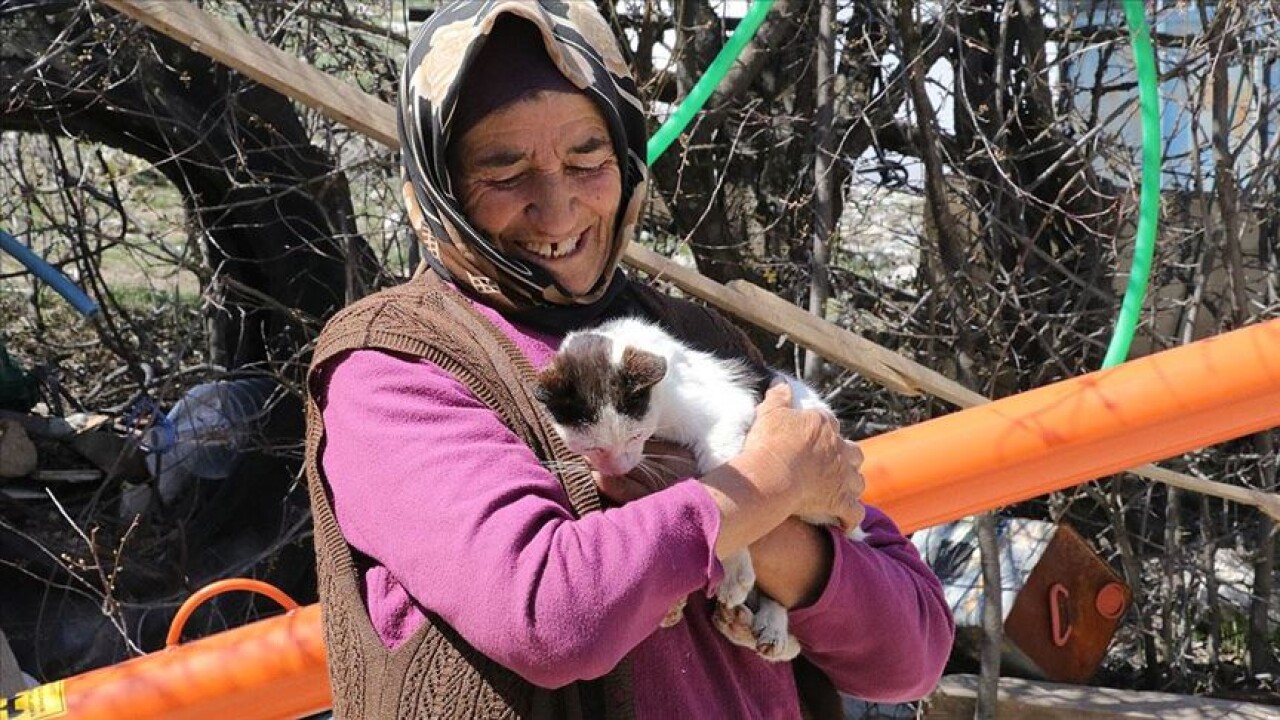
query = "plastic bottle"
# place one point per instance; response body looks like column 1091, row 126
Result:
column 205, row 433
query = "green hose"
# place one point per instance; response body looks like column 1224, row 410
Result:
column 1149, row 202
column 707, row 84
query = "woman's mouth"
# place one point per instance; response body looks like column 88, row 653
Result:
column 552, row 250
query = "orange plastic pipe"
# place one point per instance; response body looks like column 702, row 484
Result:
column 269, row 670
column 1077, row 430
column 967, row 462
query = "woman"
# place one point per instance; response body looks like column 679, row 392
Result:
column 464, row 568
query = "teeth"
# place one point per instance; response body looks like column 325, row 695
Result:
column 556, row 249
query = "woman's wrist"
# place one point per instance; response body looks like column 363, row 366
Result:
column 769, row 476
column 753, row 496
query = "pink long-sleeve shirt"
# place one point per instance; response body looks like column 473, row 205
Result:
column 455, row 514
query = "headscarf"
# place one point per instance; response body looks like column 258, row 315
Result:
column 582, row 47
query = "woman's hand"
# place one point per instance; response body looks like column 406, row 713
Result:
column 664, row 464
column 801, row 454
column 793, row 462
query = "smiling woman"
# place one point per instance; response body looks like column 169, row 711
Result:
column 437, row 478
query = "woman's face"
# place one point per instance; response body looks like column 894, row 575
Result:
column 540, row 178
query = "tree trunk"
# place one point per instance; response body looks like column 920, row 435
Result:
column 268, row 206
column 824, row 190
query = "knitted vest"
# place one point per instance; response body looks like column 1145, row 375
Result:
column 436, row 673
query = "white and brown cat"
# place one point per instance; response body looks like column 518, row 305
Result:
column 611, row 388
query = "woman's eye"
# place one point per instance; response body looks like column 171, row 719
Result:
column 588, row 168
column 507, row 182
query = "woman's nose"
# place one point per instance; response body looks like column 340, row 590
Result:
column 551, row 208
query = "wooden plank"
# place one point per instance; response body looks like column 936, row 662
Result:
column 267, row 64
column 955, row 697
column 766, row 310
column 351, row 106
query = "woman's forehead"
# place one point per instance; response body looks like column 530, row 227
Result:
column 564, row 123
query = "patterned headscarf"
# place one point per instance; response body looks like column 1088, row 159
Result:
column 581, row 45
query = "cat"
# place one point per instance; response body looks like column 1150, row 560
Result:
column 611, row 388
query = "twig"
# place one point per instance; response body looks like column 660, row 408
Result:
column 110, row 608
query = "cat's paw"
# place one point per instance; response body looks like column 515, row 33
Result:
column 769, row 627
column 857, row 534
column 735, row 623
column 739, row 578
column 674, row 615
column 784, row 650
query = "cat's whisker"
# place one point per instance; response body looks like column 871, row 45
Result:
column 666, row 456
column 650, row 476
column 676, row 462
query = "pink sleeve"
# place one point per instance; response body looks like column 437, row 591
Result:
column 881, row 629
column 429, row 483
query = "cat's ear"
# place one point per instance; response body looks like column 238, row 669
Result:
column 642, row 369
column 548, row 381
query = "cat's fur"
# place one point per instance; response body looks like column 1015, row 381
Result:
column 611, row 388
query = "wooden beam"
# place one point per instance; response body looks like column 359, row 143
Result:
column 266, row 64
column 955, row 697
column 364, row 113
column 766, row 310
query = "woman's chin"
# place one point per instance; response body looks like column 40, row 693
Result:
column 576, row 284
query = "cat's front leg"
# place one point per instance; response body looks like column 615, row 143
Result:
column 769, row 626
column 739, row 578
